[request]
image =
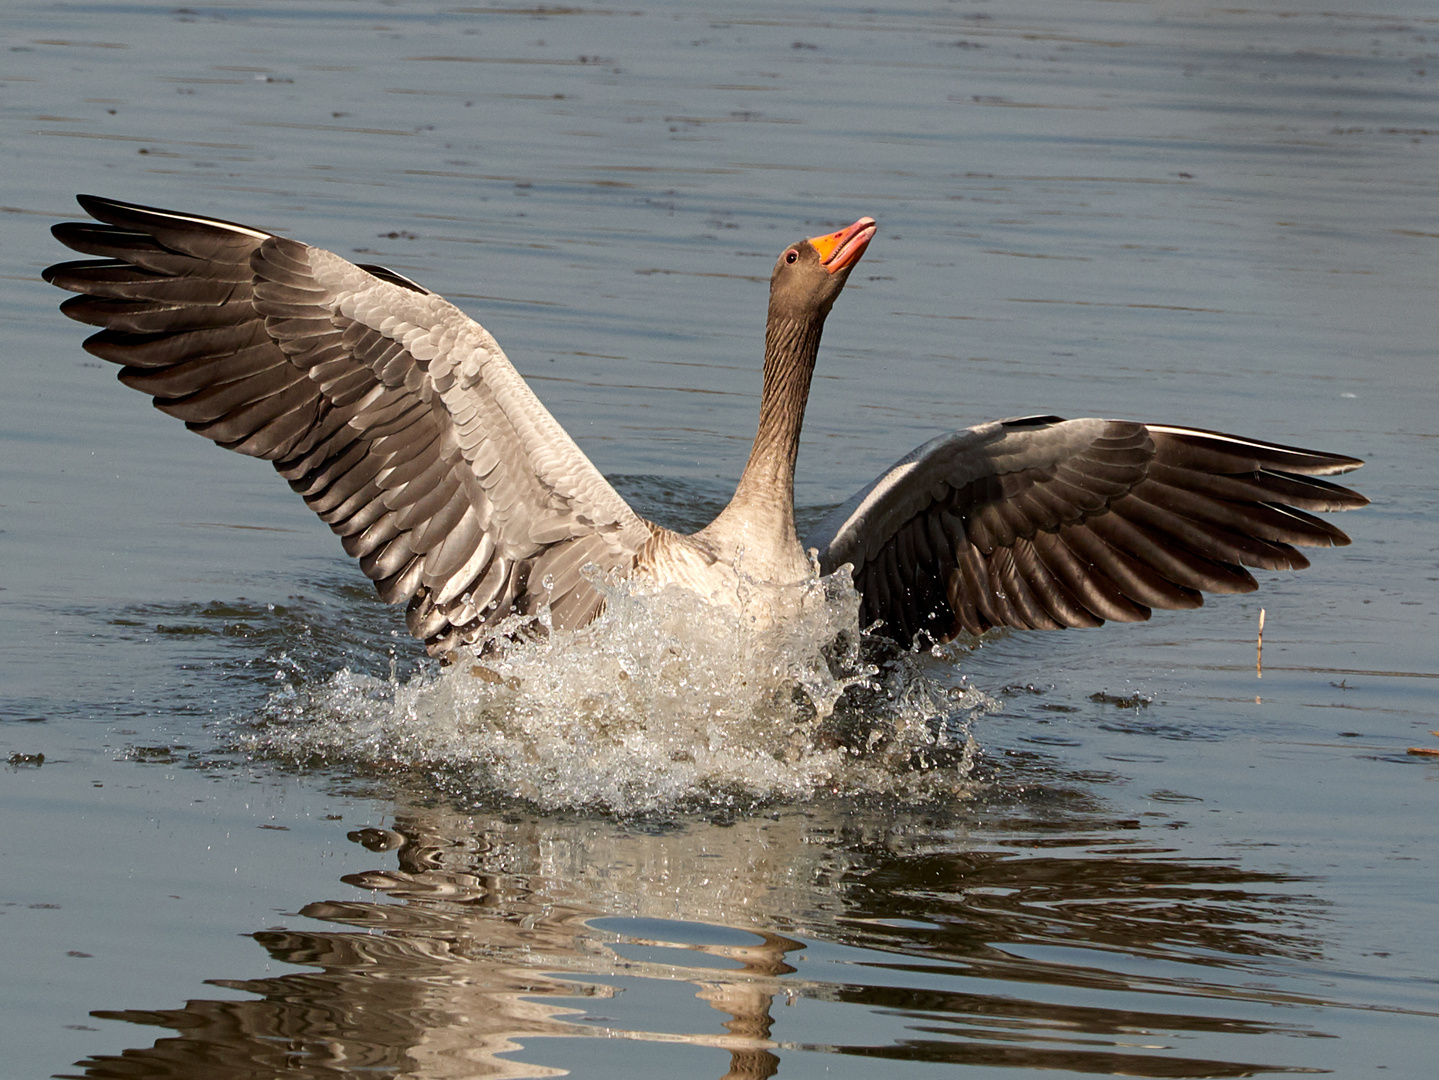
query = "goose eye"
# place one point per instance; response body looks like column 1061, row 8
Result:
column 791, row 255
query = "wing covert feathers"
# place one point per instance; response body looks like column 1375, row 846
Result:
column 396, row 417
column 1042, row 523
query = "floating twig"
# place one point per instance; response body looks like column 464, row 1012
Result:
column 1426, row 751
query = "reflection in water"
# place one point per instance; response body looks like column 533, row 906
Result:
column 905, row 936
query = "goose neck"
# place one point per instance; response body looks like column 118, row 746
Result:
column 761, row 514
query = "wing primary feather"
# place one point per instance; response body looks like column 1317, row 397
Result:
column 1216, row 452
column 1206, row 537
column 1178, row 564
column 1302, row 492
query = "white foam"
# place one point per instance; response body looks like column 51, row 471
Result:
column 663, row 702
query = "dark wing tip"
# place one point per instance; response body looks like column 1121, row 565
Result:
column 144, row 218
column 91, row 203
column 1343, row 463
column 384, row 273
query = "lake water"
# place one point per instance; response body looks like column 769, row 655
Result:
column 266, row 838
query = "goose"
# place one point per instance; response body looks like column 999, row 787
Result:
column 403, row 425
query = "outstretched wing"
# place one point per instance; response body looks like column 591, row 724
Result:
column 1042, row 523
column 396, row 416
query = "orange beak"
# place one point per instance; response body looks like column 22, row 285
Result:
column 841, row 250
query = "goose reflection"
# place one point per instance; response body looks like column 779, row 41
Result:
column 502, row 947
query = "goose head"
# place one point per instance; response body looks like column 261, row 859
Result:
column 809, row 275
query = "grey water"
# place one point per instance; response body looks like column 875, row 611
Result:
column 1151, row 862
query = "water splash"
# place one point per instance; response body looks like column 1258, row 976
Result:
column 663, row 702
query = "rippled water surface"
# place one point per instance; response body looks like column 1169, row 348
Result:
column 249, row 831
